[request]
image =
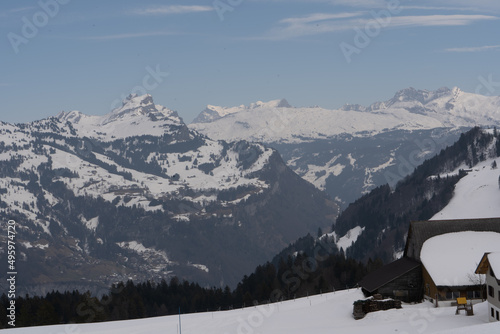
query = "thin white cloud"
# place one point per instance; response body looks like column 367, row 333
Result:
column 484, row 5
column 473, row 49
column 320, row 23
column 318, row 17
column 359, row 3
column 458, row 9
column 9, row 12
column 438, row 20
column 130, row 35
column 312, row 24
column 172, row 9
column 21, row 9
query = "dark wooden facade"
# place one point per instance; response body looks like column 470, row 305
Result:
column 401, row 280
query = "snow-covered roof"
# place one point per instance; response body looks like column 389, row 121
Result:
column 451, row 259
column 420, row 231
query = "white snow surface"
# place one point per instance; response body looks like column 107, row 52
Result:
column 330, row 168
column 346, row 241
column 461, row 252
column 351, row 236
column 322, row 314
column 141, row 249
column 91, row 224
column 200, row 267
column 477, row 195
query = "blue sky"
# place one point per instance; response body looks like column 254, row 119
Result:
column 88, row 54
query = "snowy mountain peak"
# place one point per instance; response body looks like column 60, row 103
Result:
column 142, row 108
column 420, row 96
column 410, row 94
column 133, row 105
column 352, row 107
column 456, row 92
column 271, row 104
column 212, row 113
column 138, row 115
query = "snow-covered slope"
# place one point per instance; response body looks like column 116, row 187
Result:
column 322, row 314
column 477, row 195
column 409, row 109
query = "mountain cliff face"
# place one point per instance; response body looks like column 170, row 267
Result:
column 137, row 194
column 354, row 149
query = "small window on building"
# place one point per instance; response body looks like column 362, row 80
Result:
column 491, row 291
column 497, row 317
column 492, row 312
column 450, row 295
column 474, row 294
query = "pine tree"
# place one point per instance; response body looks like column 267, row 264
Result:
column 320, row 232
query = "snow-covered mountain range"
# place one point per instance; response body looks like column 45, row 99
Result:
column 137, row 194
column 410, row 109
column 353, row 149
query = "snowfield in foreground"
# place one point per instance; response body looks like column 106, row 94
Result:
column 327, row 313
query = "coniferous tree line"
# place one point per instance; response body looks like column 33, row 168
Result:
column 293, row 277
